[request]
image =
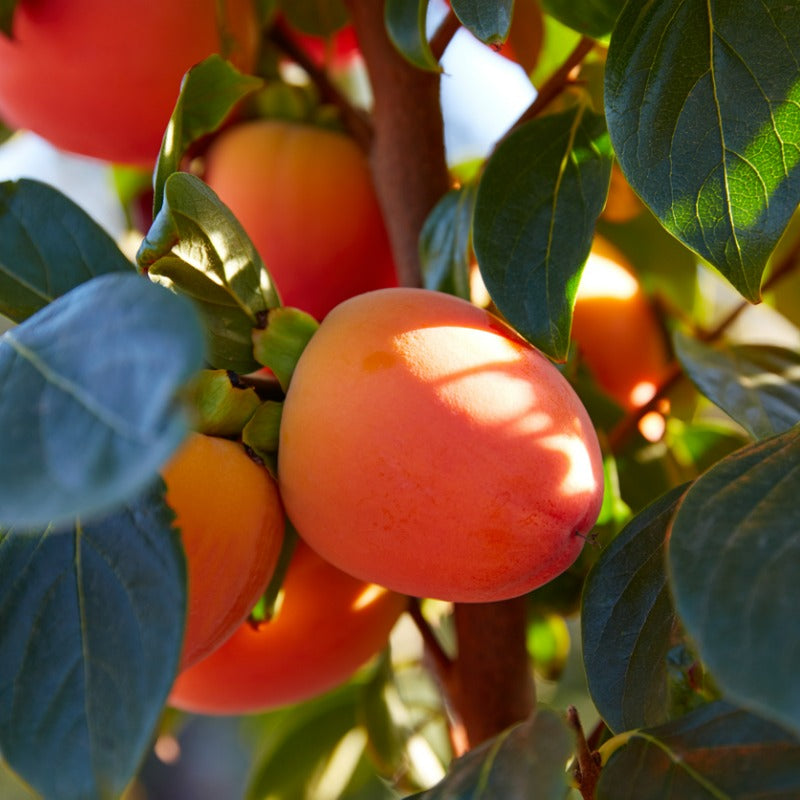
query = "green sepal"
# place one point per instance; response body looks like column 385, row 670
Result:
column 280, row 344
column 260, row 434
column 222, row 405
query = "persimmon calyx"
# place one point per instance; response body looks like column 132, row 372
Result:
column 280, row 344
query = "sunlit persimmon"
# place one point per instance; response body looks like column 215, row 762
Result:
column 616, row 329
column 305, row 197
column 101, row 78
column 427, row 447
column 231, row 525
column 327, row 625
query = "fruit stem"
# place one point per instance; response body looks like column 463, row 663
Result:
column 587, row 765
column 407, row 154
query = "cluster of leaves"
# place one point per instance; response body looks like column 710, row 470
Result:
column 686, row 615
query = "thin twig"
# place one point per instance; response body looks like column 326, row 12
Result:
column 587, row 767
column 444, row 34
column 557, row 82
column 433, row 646
column 355, row 120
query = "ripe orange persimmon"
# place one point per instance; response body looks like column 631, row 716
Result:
column 305, row 197
column 427, row 447
column 328, row 624
column 616, row 330
column 101, row 78
column 231, row 522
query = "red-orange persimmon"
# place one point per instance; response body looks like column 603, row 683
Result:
column 100, row 78
column 327, row 626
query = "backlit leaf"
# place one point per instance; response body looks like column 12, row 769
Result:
column 757, row 385
column 209, row 92
column 526, row 760
column 734, row 559
column 88, row 409
column 592, row 17
column 197, row 246
column 535, row 213
column 627, row 619
column 703, row 106
column 487, row 20
column 406, row 26
column 717, row 752
column 91, row 624
column 48, row 245
column 445, row 243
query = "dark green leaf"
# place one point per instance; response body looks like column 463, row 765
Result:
column 594, row 18
column 405, row 24
column 716, row 751
column 703, row 107
column 757, row 385
column 734, row 558
column 317, row 17
column 7, row 9
column 488, row 20
column 535, row 213
column 88, row 409
column 91, row 623
column 48, row 245
column 209, row 92
column 202, row 250
column 626, row 620
column 444, row 243
column 527, row 760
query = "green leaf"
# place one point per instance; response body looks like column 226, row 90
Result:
column 88, row 411
column 703, row 106
column 209, row 92
column 526, row 760
column 315, row 17
column 7, row 9
column 757, row 385
column 91, row 624
column 535, row 212
column 197, row 246
column 734, row 558
column 627, row 619
column 48, row 245
column 593, row 18
column 487, row 20
column 717, row 751
column 405, row 24
column 444, row 243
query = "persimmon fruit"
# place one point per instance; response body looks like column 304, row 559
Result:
column 305, row 197
column 616, row 330
column 427, row 447
column 231, row 524
column 327, row 625
column 101, row 78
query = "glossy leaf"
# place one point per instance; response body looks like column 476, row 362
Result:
column 717, row 751
column 88, row 409
column 316, row 17
column 594, row 18
column 535, row 212
column 626, row 621
column 527, row 760
column 757, row 385
column 445, row 243
column 209, row 92
column 702, row 105
column 48, row 245
column 734, row 558
column 487, row 20
column 91, row 624
column 197, row 246
column 406, row 26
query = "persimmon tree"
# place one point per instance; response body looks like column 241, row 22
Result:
column 662, row 662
